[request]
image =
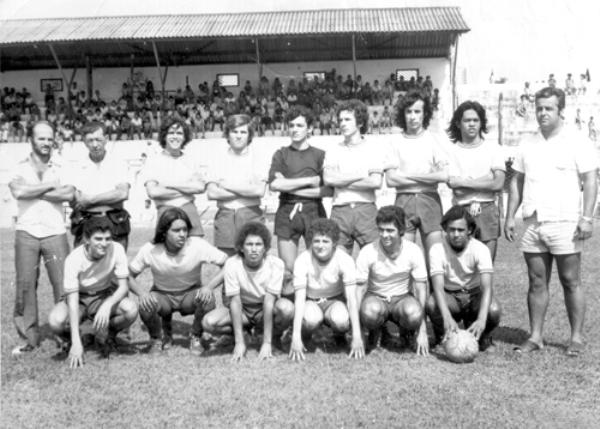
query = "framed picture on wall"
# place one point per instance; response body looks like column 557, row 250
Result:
column 228, row 79
column 55, row 84
column 407, row 73
column 311, row 76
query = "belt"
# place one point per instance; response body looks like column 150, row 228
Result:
column 352, row 205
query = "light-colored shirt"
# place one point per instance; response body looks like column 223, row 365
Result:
column 417, row 155
column 324, row 280
column 252, row 286
column 96, row 178
column 164, row 168
column 243, row 169
column 38, row 217
column 90, row 277
column 361, row 159
column 552, row 187
column 461, row 271
column 388, row 277
column 472, row 161
column 180, row 272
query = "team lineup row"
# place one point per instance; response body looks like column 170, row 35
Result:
column 322, row 281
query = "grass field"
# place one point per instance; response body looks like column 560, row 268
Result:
column 390, row 388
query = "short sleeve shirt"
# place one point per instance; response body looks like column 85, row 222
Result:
column 473, row 162
column 38, row 217
column 166, row 168
column 180, row 272
column 552, row 187
column 252, row 286
column 462, row 271
column 362, row 159
column 411, row 155
column 91, row 277
column 388, row 277
column 292, row 163
column 324, row 280
column 242, row 168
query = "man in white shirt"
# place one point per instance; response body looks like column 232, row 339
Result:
column 552, row 167
column 476, row 171
column 101, row 187
column 462, row 275
column 38, row 185
column 354, row 168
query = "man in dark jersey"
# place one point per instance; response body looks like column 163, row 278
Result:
column 296, row 173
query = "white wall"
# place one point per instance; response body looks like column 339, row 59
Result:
column 109, row 80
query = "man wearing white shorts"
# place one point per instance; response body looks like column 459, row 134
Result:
column 551, row 169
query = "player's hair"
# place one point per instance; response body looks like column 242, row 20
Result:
column 457, row 213
column 92, row 127
column 410, row 98
column 46, row 123
column 252, row 228
column 453, row 130
column 326, row 227
column 549, row 92
column 360, row 111
column 95, row 224
column 297, row 110
column 165, row 220
column 234, row 121
column 164, row 129
column 392, row 214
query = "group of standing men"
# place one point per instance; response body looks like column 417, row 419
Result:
column 389, row 280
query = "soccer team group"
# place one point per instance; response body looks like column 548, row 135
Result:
column 392, row 281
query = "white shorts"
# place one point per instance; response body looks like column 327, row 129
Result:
column 555, row 238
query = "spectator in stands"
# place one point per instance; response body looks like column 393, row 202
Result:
column 570, row 88
column 386, row 120
column 551, row 81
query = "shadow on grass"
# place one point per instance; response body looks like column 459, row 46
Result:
column 510, row 335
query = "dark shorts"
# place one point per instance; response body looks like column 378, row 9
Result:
column 389, row 303
column 357, row 223
column 488, row 222
column 183, row 302
column 423, row 211
column 468, row 303
column 90, row 304
column 228, row 222
column 325, row 303
column 192, row 212
column 118, row 218
column 304, row 214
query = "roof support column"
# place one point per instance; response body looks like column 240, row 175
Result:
column 68, row 82
column 354, row 59
column 89, row 80
column 161, row 75
column 258, row 64
column 453, row 61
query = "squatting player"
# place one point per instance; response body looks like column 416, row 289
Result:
column 462, row 275
column 325, row 291
column 386, row 269
column 95, row 286
column 175, row 259
column 253, row 282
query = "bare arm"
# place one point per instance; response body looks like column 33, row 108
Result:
column 161, row 193
column 368, row 183
column 216, row 192
column 493, row 181
column 268, row 304
column 297, row 347
column 284, row 184
column 235, row 308
column 431, row 178
column 590, row 191
column 195, row 186
column 320, row 192
column 515, row 196
column 394, row 179
column 60, row 194
column 248, row 190
column 478, row 326
column 422, row 341
column 114, row 196
column 338, row 180
column 440, row 298
column 21, row 190
column 357, row 349
column 76, row 351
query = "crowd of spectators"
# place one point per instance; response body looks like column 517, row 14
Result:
column 140, row 109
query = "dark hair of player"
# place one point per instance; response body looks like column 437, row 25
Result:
column 164, row 130
column 234, row 121
column 95, row 224
column 453, row 130
column 325, row 227
column 392, row 214
column 410, row 98
column 457, row 213
column 361, row 113
column 92, row 127
column 296, row 111
column 166, row 219
column 252, row 228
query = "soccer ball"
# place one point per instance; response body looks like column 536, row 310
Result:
column 461, row 346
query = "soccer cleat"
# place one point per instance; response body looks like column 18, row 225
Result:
column 373, row 339
column 21, row 350
column 196, row 347
column 167, row 342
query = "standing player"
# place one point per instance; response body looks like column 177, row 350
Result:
column 236, row 183
column 325, row 285
column 101, row 187
column 354, row 168
column 417, row 165
column 38, row 186
column 171, row 178
column 477, row 171
column 253, row 281
column 296, row 173
column 175, row 259
column 385, row 270
column 551, row 169
column 462, row 276
column 96, row 289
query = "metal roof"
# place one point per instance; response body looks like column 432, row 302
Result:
column 258, row 24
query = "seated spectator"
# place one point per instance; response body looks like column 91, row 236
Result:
column 386, row 120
